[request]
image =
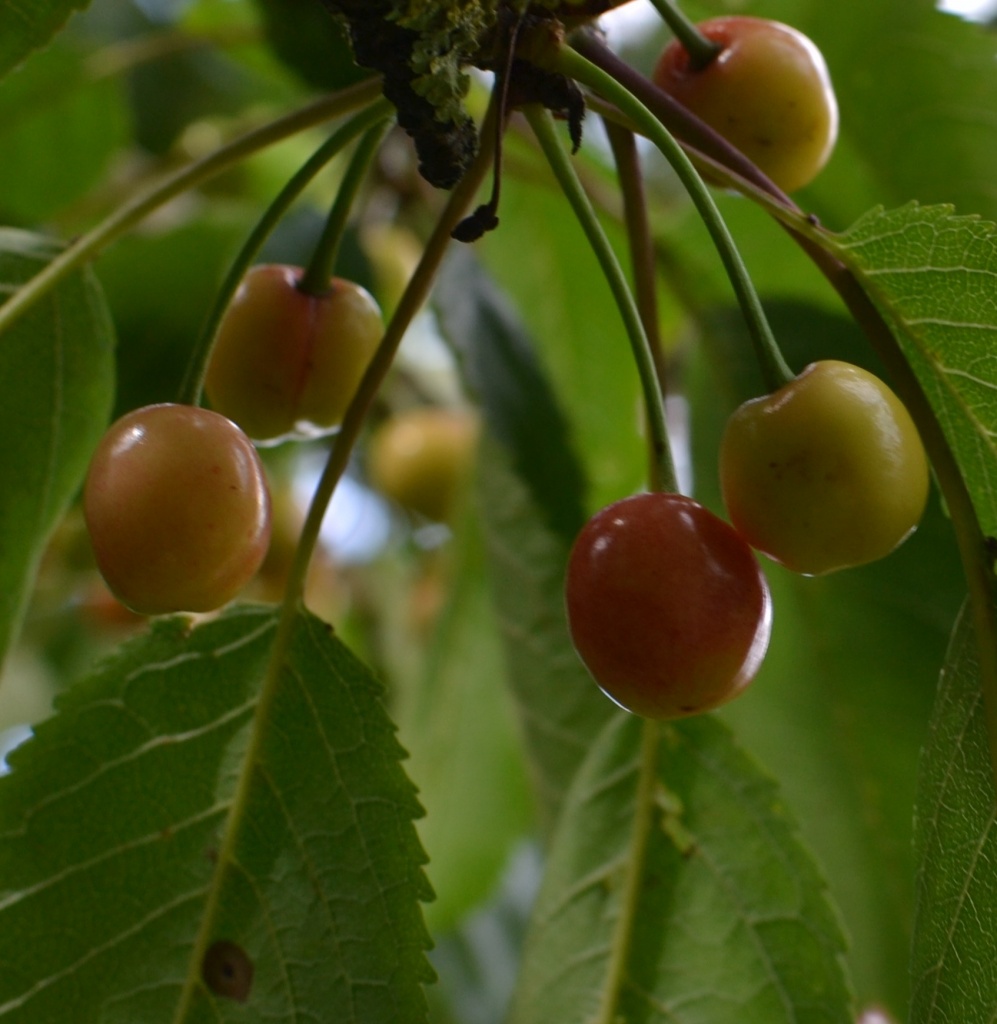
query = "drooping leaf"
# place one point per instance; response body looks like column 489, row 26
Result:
column 500, row 366
column 26, row 26
column 953, row 969
column 677, row 889
column 541, row 260
column 530, row 492
column 175, row 848
column 57, row 379
column 932, row 275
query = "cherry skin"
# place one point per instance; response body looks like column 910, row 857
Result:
column 421, row 458
column 825, row 473
column 767, row 92
column 178, row 510
column 285, row 363
column 667, row 606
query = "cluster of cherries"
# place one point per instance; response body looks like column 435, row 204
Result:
column 666, row 602
column 176, row 500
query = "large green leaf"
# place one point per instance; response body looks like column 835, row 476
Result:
column 676, row 889
column 26, row 26
column 530, row 492
column 953, row 968
column 542, row 261
column 59, row 126
column 56, row 378
column 166, row 809
column 932, row 275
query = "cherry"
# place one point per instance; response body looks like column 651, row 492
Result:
column 178, row 510
column 285, row 363
column 767, row 92
column 421, row 458
column 825, row 473
column 667, row 606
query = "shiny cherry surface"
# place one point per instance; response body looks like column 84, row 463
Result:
column 825, row 473
column 768, row 92
column 667, row 606
column 285, row 363
column 178, row 510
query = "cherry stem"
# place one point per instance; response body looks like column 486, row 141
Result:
column 641, row 243
column 193, row 382
column 663, row 470
column 702, row 51
column 775, row 370
column 315, row 280
column 136, row 209
column 411, row 302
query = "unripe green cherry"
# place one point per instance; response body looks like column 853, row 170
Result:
column 825, row 473
column 285, row 363
column 767, row 92
column 178, row 510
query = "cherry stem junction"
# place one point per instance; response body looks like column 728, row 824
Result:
column 701, row 50
column 315, row 280
column 662, row 468
column 193, row 382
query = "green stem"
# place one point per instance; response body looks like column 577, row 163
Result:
column 315, row 280
column 701, row 50
column 135, row 210
column 774, row 368
column 410, row 303
column 663, row 476
column 641, row 243
column 412, row 299
column 193, row 382
column 643, row 820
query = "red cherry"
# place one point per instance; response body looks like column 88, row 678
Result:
column 667, row 606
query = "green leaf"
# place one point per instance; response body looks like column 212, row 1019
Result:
column 457, row 722
column 26, row 26
column 541, row 260
column 501, row 368
column 530, row 492
column 932, row 274
column 57, row 379
column 165, row 808
column 677, row 889
column 59, row 126
column 306, row 37
column 953, row 969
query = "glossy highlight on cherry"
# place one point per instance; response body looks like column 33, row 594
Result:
column 667, row 606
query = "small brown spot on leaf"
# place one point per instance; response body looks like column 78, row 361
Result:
column 228, row 971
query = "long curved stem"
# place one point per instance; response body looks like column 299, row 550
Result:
column 193, row 382
column 135, row 210
column 774, row 368
column 412, row 299
column 663, row 470
column 315, row 280
column 746, row 178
